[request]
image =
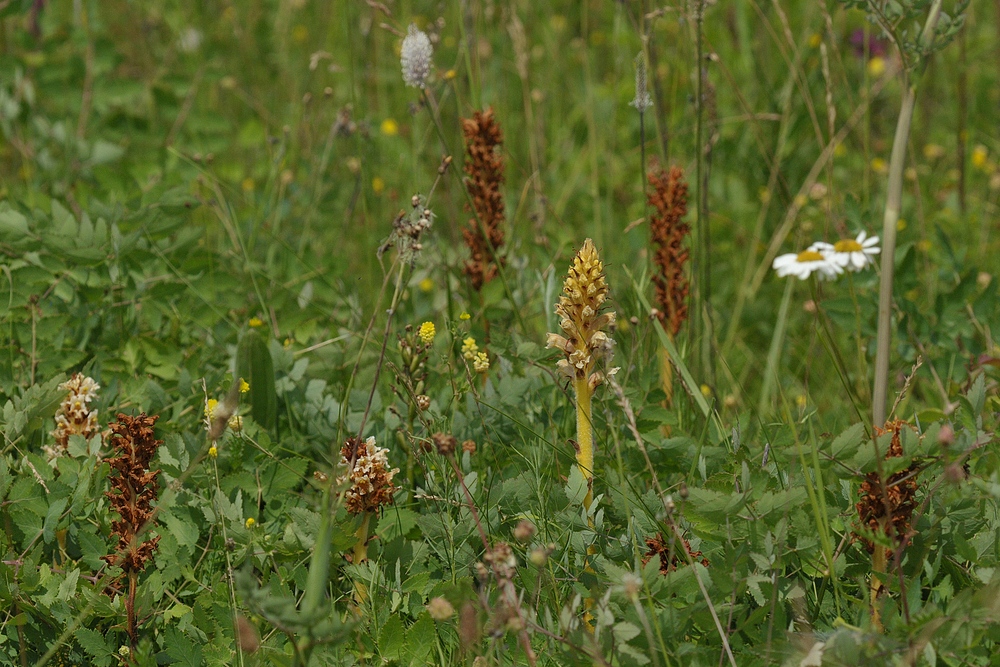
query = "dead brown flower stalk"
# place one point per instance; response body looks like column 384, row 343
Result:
column 484, row 169
column 668, row 231
column 133, row 490
column 887, row 508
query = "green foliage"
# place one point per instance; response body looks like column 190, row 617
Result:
column 174, row 172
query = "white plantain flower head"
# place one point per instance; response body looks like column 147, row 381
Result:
column 415, row 57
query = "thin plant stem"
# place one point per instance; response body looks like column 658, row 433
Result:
column 893, row 203
column 774, row 353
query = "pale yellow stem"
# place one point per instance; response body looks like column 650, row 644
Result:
column 585, row 436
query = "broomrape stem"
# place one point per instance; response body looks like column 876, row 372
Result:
column 361, row 548
column 585, row 436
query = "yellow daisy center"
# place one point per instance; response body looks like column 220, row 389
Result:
column 809, row 256
column 847, row 245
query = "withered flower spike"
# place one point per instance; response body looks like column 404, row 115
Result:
column 370, row 477
column 484, row 168
column 133, row 490
column 898, row 500
column 669, row 198
column 670, row 557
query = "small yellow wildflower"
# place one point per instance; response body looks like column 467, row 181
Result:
column 213, row 452
column 250, row 523
column 389, row 127
column 706, row 391
column 900, row 224
column 464, row 316
column 879, row 166
column 236, row 423
column 801, row 200
column 450, row 74
column 933, row 151
column 378, row 185
column 427, row 332
column 876, row 66
column 244, row 386
column 426, row 285
column 481, row 362
column 210, row 407
column 801, row 401
column 979, row 155
column 764, row 195
column 815, row 40
column 923, row 245
column 247, row 184
column 469, row 348
column 256, row 322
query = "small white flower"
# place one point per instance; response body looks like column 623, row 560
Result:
column 415, row 57
column 851, row 254
column 804, row 264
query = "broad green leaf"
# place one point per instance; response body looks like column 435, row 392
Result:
column 254, row 364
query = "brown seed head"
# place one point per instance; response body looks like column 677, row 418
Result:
column 583, row 324
column 484, row 170
column 669, row 198
column 670, row 557
column 469, row 446
column 445, row 443
column 133, row 490
column 889, row 506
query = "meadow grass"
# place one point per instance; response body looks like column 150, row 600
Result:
column 334, row 290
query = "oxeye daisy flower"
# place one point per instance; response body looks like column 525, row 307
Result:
column 851, row 254
column 804, row 264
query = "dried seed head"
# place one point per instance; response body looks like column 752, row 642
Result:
column 370, row 479
column 415, row 57
column 502, row 561
column 469, row 446
column 445, row 443
column 889, row 507
column 484, row 170
column 424, row 402
column 670, row 557
column 133, row 490
column 524, row 531
column 440, row 609
column 668, row 232
column 581, row 320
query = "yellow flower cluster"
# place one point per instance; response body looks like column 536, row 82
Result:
column 427, row 332
column 469, row 348
column 481, row 362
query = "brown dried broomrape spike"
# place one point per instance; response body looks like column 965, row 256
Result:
column 133, row 490
column 370, row 478
column 669, row 198
column 484, row 168
column 669, row 556
column 899, row 498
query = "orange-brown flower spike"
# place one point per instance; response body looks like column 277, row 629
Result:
column 484, row 170
column 668, row 231
column 584, row 342
column 133, row 491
